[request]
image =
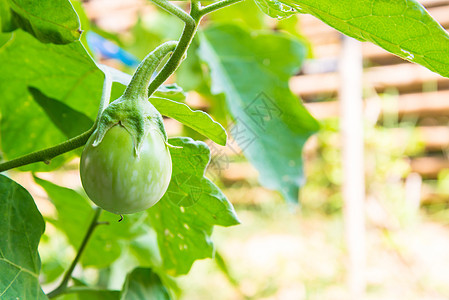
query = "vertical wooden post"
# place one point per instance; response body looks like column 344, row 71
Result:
column 351, row 101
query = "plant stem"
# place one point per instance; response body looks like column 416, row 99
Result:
column 141, row 78
column 174, row 10
column 191, row 23
column 47, row 154
column 217, row 5
column 65, row 280
column 183, row 44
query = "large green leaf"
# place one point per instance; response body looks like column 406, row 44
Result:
column 21, row 227
column 192, row 205
column 74, row 216
column 271, row 125
column 143, row 284
column 64, row 73
column 50, row 21
column 62, row 115
column 195, row 119
column 401, row 27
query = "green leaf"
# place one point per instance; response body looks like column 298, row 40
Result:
column 74, row 216
column 195, row 119
column 68, row 120
column 245, row 13
column 61, row 72
column 183, row 232
column 171, row 91
column 276, row 9
column 271, row 125
column 21, row 227
column 50, row 21
column 6, row 23
column 190, row 74
column 142, row 284
column 90, row 294
column 401, row 27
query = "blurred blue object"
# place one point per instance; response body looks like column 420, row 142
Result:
column 108, row 49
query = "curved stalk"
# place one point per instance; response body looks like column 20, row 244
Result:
column 141, row 78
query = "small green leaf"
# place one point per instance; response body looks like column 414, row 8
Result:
column 50, row 21
column 192, row 205
column 74, row 215
column 402, row 27
column 195, row 119
column 171, row 91
column 143, row 284
column 271, row 125
column 21, row 227
column 68, row 120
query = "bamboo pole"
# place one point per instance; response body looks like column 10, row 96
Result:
column 351, row 101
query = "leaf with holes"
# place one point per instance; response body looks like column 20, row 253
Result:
column 192, row 205
column 21, row 227
column 276, row 9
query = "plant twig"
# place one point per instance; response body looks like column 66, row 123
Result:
column 174, row 10
column 65, row 280
column 217, row 5
column 183, row 44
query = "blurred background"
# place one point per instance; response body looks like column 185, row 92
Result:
column 390, row 242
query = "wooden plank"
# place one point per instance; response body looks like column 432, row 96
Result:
column 418, row 104
column 429, row 167
column 402, row 76
column 435, row 138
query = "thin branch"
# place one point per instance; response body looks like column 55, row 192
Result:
column 65, row 280
column 179, row 53
column 217, row 5
column 174, row 10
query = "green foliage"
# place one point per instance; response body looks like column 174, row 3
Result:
column 191, row 206
column 51, row 90
column 74, row 212
column 276, row 9
column 40, row 20
column 64, row 73
column 271, row 125
column 403, row 28
column 21, row 226
column 195, row 119
column 143, row 283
